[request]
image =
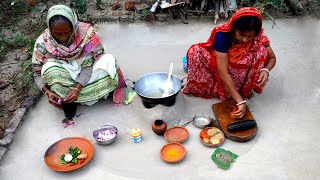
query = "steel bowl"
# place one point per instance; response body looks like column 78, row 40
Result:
column 202, row 121
column 103, row 129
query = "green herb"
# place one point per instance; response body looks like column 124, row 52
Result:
column 74, row 152
column 62, row 159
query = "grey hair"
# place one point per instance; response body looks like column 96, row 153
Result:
column 59, row 19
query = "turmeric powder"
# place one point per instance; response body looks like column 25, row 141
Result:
column 172, row 154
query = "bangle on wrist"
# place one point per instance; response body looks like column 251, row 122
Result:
column 45, row 93
column 242, row 102
column 76, row 89
column 265, row 69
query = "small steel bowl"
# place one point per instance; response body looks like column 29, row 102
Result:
column 101, row 130
column 201, row 121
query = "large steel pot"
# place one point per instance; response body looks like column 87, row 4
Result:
column 150, row 88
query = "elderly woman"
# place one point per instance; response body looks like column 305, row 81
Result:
column 70, row 66
column 236, row 60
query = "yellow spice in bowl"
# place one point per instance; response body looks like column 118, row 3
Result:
column 173, row 154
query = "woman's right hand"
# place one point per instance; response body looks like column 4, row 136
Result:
column 240, row 112
column 53, row 98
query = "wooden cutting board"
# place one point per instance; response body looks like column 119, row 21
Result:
column 222, row 112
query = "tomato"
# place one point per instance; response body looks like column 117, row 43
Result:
column 203, row 134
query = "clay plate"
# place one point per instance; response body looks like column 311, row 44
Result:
column 173, row 152
column 176, row 134
column 53, row 153
column 221, row 140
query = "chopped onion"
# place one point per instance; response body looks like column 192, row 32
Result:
column 106, row 135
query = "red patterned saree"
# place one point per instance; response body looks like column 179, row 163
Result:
column 245, row 62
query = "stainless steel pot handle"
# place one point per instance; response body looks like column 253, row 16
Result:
column 132, row 87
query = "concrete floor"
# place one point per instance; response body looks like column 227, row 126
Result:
column 287, row 113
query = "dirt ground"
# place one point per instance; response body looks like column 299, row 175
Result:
column 16, row 82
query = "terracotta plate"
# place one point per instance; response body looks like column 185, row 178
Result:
column 173, row 152
column 212, row 141
column 176, row 134
column 53, row 153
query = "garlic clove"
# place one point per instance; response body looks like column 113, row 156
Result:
column 68, row 157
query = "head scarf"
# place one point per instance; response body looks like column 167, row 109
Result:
column 62, row 10
column 84, row 46
column 66, row 12
column 226, row 27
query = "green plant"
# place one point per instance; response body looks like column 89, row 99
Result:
column 12, row 26
column 16, row 41
column 263, row 5
column 2, row 56
column 10, row 10
column 31, row 43
column 19, row 40
column 317, row 14
column 145, row 13
column 4, row 41
column 98, row 4
column 24, row 79
column 80, row 6
column 244, row 2
column 276, row 4
column 279, row 5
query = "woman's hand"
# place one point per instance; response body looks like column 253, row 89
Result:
column 53, row 98
column 263, row 78
column 264, row 74
column 72, row 96
column 222, row 67
column 240, row 112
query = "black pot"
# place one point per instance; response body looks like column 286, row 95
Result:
column 150, row 88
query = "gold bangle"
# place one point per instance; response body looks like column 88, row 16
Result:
column 45, row 93
column 76, row 89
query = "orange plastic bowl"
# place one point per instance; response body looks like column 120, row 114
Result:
column 173, row 152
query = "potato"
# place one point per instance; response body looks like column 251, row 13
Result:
column 206, row 140
column 214, row 140
column 212, row 132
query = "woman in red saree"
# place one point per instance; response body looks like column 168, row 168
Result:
column 234, row 62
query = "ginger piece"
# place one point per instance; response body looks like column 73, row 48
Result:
column 82, row 156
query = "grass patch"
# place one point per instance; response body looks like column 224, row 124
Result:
column 10, row 15
column 264, row 5
column 11, row 10
column 317, row 14
column 278, row 5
